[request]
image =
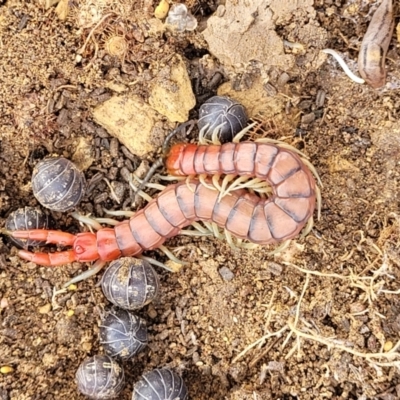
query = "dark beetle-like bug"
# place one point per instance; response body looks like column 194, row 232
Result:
column 123, row 334
column 221, row 110
column 160, row 384
column 24, row 219
column 130, row 283
column 100, row 377
column 58, row 184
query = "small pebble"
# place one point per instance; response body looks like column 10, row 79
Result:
column 387, row 346
column 226, row 274
column 45, row 309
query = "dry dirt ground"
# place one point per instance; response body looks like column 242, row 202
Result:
column 319, row 320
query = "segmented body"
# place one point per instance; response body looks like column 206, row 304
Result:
column 263, row 221
column 243, row 214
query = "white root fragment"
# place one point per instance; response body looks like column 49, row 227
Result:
column 345, row 67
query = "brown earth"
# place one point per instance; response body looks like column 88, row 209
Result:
column 318, row 320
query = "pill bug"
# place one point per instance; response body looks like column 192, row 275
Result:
column 123, row 334
column 58, row 184
column 27, row 218
column 130, row 283
column 221, row 110
column 100, row 377
column 160, row 384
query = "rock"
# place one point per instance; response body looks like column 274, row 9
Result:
column 171, row 94
column 260, row 105
column 83, row 156
column 131, row 121
column 62, row 9
column 243, row 31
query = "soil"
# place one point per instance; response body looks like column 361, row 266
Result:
column 318, row 320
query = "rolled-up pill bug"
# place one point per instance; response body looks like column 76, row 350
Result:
column 123, row 334
column 100, row 377
column 221, row 110
column 130, row 283
column 58, row 184
column 160, row 384
column 24, row 219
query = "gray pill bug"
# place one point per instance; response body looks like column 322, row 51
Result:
column 58, row 184
column 130, row 283
column 24, row 219
column 160, row 384
column 100, row 377
column 123, row 334
column 221, row 110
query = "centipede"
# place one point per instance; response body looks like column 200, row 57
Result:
column 239, row 212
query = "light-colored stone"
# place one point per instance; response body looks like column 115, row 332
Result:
column 50, row 3
column 83, row 156
column 261, row 106
column 62, row 9
column 171, row 94
column 244, row 31
column 130, row 120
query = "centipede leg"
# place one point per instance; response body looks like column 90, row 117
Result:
column 155, row 262
column 97, row 267
column 308, row 227
column 169, row 254
column 240, row 135
column 319, row 202
column 84, row 219
column 283, row 246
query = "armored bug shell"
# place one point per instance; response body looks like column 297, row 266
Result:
column 58, row 184
column 130, row 283
column 221, row 110
column 123, row 334
column 100, row 377
column 160, row 384
column 24, row 219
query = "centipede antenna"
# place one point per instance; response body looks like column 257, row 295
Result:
column 139, row 192
column 160, row 161
column 240, row 135
column 97, row 266
column 150, row 173
column 121, row 213
column 179, row 128
column 169, row 254
column 93, row 223
column 155, row 262
column 150, row 185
